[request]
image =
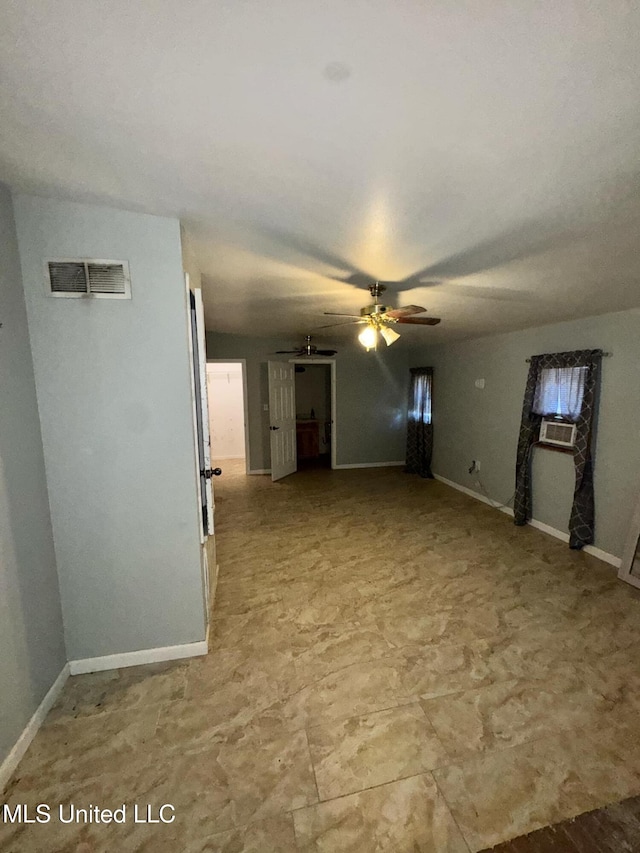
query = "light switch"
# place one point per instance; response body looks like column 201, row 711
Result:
column 265, row 407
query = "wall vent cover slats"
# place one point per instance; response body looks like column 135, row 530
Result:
column 67, row 277
column 89, row 278
column 107, row 278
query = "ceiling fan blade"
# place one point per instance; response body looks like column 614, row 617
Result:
column 339, row 314
column 326, row 351
column 289, row 351
column 419, row 321
column 405, row 311
column 346, row 323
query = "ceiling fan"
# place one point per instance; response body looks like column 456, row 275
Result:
column 307, row 349
column 380, row 318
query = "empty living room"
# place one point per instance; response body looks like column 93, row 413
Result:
column 319, row 458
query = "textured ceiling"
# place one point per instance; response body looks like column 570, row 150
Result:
column 489, row 149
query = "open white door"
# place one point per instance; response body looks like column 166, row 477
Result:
column 630, row 564
column 282, row 419
column 201, row 422
column 202, row 409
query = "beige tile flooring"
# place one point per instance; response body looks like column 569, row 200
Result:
column 393, row 667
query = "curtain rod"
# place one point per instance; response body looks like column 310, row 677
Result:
column 604, row 355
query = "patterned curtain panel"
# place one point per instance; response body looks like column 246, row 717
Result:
column 574, row 400
column 419, row 426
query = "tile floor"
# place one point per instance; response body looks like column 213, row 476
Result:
column 394, row 667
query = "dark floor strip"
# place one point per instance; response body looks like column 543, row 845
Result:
column 614, row 829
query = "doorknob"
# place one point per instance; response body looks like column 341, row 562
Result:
column 274, row 428
column 211, row 472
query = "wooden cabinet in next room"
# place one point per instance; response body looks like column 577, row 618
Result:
column 308, row 438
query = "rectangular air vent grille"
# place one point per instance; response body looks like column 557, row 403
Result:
column 67, row 278
column 556, row 432
column 107, row 278
column 97, row 278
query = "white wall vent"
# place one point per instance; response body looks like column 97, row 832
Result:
column 558, row 433
column 96, row 278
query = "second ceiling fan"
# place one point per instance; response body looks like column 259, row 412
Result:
column 308, row 349
column 379, row 318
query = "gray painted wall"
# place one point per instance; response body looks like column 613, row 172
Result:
column 114, row 397
column 483, row 424
column 31, row 633
column 371, row 391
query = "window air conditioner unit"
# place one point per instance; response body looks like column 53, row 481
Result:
column 558, row 433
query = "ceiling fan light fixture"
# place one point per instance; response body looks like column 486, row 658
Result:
column 389, row 335
column 368, row 338
column 379, row 318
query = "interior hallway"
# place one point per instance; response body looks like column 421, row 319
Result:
column 394, row 667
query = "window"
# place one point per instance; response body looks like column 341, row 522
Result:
column 419, row 425
column 559, row 393
column 421, row 409
column 559, row 408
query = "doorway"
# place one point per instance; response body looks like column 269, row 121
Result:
column 315, row 413
column 227, row 395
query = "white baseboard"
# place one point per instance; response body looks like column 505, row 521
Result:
column 371, row 465
column 539, row 525
column 188, row 650
column 12, row 760
column 471, row 493
column 336, row 467
column 605, row 556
